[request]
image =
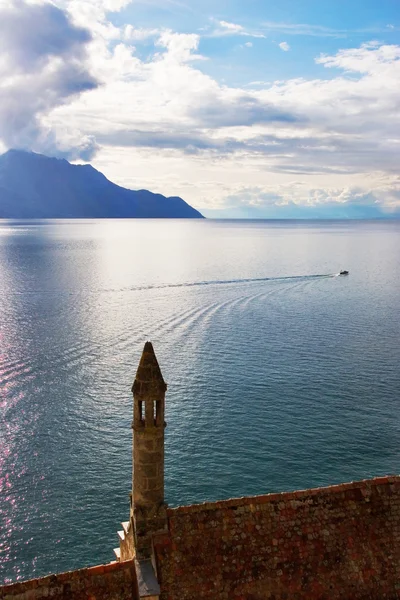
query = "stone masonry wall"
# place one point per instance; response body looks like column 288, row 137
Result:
column 340, row 542
column 115, row 581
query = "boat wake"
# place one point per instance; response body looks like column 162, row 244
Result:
column 187, row 284
column 233, row 281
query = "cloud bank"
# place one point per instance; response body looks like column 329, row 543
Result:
column 307, row 142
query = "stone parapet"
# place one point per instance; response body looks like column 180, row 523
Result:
column 114, row 581
column 364, row 485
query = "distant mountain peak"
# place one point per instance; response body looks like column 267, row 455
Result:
column 36, row 186
column 18, row 152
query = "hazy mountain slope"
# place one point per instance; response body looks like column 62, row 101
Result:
column 35, row 186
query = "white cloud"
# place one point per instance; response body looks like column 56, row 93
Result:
column 90, row 11
column 303, row 29
column 225, row 28
column 134, row 34
column 307, row 30
column 370, row 58
column 331, row 135
column 180, row 46
column 233, row 27
column 284, row 46
column 248, row 44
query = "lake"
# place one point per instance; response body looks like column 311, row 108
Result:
column 281, row 375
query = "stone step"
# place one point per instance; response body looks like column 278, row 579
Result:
column 121, row 535
column 117, row 553
column 125, row 526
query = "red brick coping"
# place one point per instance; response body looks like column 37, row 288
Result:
column 113, row 581
column 364, row 485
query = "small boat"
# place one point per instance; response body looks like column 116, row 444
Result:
column 343, row 273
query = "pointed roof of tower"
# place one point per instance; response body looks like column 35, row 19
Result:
column 148, row 376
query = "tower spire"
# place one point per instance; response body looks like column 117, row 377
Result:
column 148, row 508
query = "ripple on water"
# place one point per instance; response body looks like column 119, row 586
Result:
column 275, row 383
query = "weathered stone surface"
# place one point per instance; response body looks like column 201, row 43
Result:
column 148, row 452
column 336, row 543
column 115, row 581
column 148, row 376
column 147, row 581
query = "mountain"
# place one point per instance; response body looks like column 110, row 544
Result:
column 33, row 186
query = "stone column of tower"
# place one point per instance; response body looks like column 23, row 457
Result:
column 148, row 510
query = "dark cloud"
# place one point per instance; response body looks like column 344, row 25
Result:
column 44, row 66
column 194, row 141
column 190, row 141
column 243, row 110
column 297, row 169
column 30, row 33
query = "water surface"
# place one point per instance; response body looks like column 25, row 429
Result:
column 281, row 374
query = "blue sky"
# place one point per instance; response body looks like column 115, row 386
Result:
column 310, row 27
column 242, row 108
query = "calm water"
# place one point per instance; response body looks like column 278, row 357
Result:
column 281, row 376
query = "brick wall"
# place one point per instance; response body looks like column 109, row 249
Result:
column 340, row 542
column 115, row 581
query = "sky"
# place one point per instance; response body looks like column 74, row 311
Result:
column 244, row 109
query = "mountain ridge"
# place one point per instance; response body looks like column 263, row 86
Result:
column 35, row 186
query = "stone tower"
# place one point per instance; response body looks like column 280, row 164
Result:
column 148, row 512
column 147, row 507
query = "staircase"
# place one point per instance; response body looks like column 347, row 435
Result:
column 125, row 536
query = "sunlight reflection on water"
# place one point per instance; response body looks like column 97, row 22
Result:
column 279, row 378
